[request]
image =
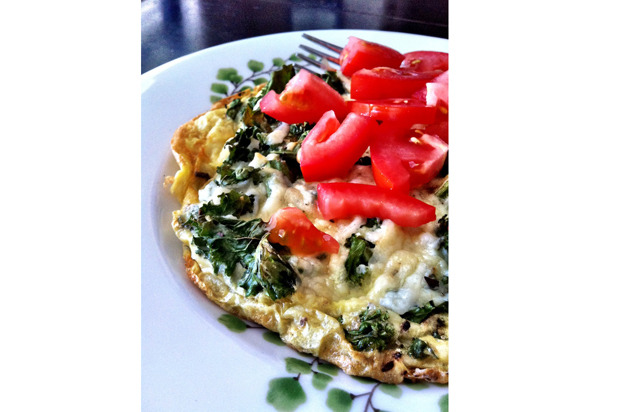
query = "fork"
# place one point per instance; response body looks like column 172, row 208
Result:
column 326, row 58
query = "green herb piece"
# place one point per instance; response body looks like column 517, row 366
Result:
column 233, row 108
column 282, row 166
column 372, row 222
column 268, row 271
column 420, row 313
column 298, row 131
column 331, row 78
column 442, row 191
column 374, row 332
column 230, row 203
column 226, row 242
column 228, row 175
column 420, row 349
column 240, row 146
column 279, row 78
column 356, row 264
column 442, row 232
column 251, row 115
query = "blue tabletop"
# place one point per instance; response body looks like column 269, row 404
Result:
column 174, row 28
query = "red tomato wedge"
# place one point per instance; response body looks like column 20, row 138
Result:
column 425, row 61
column 331, row 149
column 344, row 200
column 305, row 99
column 401, row 162
column 437, row 91
column 385, row 82
column 290, row 227
column 360, row 54
column 440, row 127
column 404, row 112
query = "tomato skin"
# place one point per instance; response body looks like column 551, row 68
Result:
column 425, row 61
column 331, row 149
column 437, row 91
column 305, row 98
column 440, row 127
column 404, row 112
column 385, row 82
column 290, row 227
column 360, row 54
column 344, row 200
column 417, row 162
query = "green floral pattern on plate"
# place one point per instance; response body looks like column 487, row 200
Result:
column 233, row 82
column 287, row 393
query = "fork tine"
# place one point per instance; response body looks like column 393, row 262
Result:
column 326, row 44
column 309, row 60
column 298, row 67
column 321, row 54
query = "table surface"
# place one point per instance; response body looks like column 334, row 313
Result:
column 174, row 28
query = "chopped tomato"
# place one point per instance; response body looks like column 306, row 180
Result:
column 345, row 200
column 440, row 126
column 425, row 61
column 290, row 227
column 360, row 54
column 331, row 149
column 405, row 112
column 437, row 91
column 401, row 162
column 385, row 82
column 305, row 99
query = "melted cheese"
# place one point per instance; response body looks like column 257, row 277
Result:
column 402, row 257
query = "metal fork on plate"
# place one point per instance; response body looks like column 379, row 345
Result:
column 326, row 58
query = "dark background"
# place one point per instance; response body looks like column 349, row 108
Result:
column 174, row 28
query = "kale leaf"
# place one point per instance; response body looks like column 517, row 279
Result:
column 242, row 146
column 226, row 242
column 374, row 332
column 228, row 175
column 420, row 313
column 233, row 108
column 442, row 232
column 372, row 222
column 230, row 203
column 298, row 132
column 442, row 191
column 331, row 78
column 356, row 264
column 282, row 166
column 419, row 349
column 267, row 270
column 279, row 78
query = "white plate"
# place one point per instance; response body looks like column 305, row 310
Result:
column 190, row 360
